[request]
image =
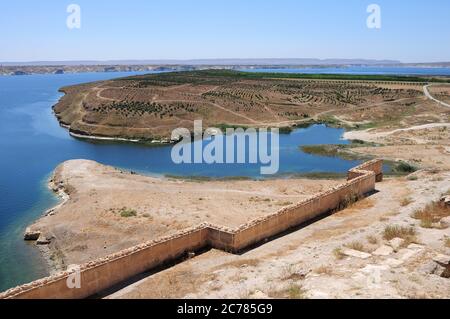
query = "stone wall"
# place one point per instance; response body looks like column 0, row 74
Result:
column 104, row 273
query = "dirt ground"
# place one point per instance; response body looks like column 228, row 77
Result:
column 90, row 224
column 306, row 263
column 424, row 146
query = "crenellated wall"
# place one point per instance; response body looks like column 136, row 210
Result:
column 101, row 274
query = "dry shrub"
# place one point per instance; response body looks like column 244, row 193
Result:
column 356, row 246
column 293, row 291
column 406, row 233
column 373, row 240
column 432, row 214
column 338, row 254
column 324, row 270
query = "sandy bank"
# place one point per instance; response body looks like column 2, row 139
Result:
column 91, row 223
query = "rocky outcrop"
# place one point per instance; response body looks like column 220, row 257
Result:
column 446, row 200
column 31, row 235
column 43, row 240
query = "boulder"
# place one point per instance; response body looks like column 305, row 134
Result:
column 445, row 222
column 396, row 243
column 43, row 240
column 442, row 260
column 356, row 253
column 383, row 251
column 31, row 235
column 392, row 262
column 446, row 200
column 416, row 247
column 429, row 267
column 443, row 272
column 407, row 254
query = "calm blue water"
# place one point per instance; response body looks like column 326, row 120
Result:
column 32, row 144
column 363, row 70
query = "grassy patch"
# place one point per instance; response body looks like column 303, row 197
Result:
column 127, row 213
column 321, row 150
column 338, row 254
column 404, row 167
column 218, row 76
column 223, row 127
column 337, row 150
column 407, row 233
column 286, row 130
column 295, row 291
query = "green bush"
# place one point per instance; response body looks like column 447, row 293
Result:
column 126, row 213
column 404, row 167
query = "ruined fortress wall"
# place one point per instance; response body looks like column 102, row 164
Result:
column 109, row 271
column 296, row 215
column 106, row 272
column 375, row 166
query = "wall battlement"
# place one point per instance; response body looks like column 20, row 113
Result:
column 104, row 273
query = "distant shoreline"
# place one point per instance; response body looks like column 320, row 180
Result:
column 21, row 70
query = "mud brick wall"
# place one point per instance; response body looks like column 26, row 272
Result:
column 104, row 273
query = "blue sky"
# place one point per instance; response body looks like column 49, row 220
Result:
column 412, row 30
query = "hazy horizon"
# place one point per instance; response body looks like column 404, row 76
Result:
column 410, row 32
column 223, row 61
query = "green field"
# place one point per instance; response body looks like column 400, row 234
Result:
column 211, row 76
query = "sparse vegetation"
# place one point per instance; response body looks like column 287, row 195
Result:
column 127, row 213
column 404, row 167
column 291, row 272
column 447, row 242
column 373, row 240
column 407, row 233
column 431, row 214
column 338, row 254
column 356, row 246
column 348, row 201
column 225, row 97
column 324, row 270
column 295, row 291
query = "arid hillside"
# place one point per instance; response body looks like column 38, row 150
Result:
column 150, row 107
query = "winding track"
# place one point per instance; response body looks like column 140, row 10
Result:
column 428, row 95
